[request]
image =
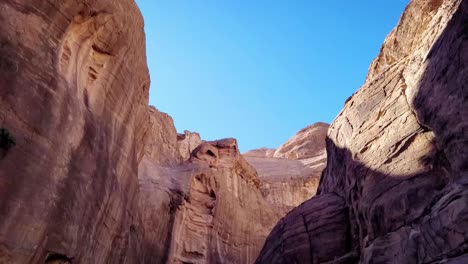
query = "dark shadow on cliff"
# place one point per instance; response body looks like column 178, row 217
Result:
column 364, row 215
column 329, row 227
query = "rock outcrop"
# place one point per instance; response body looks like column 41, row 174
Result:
column 290, row 174
column 73, row 99
column 308, row 143
column 207, row 209
column 88, row 172
column 187, row 143
column 395, row 186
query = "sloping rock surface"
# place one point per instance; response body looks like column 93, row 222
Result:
column 397, row 155
column 290, row 174
column 308, row 143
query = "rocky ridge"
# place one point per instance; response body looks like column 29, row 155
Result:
column 290, row 174
column 207, row 207
column 88, row 172
column 394, row 189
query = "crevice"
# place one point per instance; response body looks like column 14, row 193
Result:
column 99, row 50
column 57, row 258
column 311, row 252
column 403, row 92
column 405, row 144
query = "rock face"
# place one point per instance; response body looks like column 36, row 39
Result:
column 308, row 143
column 260, row 153
column 88, row 172
column 73, row 96
column 290, row 174
column 395, row 186
column 187, row 143
column 207, row 209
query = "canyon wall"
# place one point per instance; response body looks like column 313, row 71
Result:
column 395, row 186
column 89, row 173
column 73, row 103
column 290, row 174
column 204, row 208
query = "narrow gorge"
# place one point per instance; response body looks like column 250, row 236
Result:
column 90, row 173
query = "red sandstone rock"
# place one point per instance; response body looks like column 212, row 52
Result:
column 73, row 94
column 397, row 153
column 205, row 210
column 290, row 175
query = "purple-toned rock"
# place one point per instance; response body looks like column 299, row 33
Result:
column 397, row 153
column 73, row 97
column 290, row 175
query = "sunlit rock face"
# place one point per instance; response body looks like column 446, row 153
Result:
column 394, row 190
column 73, row 95
column 204, row 209
column 188, row 142
column 290, row 174
column 88, row 172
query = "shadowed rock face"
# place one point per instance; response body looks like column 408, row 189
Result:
column 73, row 95
column 290, row 174
column 396, row 155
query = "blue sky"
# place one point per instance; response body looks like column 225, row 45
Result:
column 260, row 70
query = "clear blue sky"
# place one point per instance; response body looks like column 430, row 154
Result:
column 260, row 70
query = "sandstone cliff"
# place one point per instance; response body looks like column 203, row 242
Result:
column 73, row 97
column 290, row 174
column 204, row 209
column 395, row 186
column 88, row 172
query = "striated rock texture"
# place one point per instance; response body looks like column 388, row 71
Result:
column 88, row 172
column 290, row 174
column 73, row 99
column 308, row 143
column 395, row 186
column 187, row 143
column 207, row 209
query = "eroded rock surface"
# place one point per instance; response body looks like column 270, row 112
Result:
column 290, row 174
column 88, row 172
column 308, row 143
column 187, row 143
column 397, row 155
column 73, row 95
column 207, row 209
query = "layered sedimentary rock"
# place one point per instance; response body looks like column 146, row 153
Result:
column 207, row 209
column 88, row 172
column 395, row 186
column 187, row 143
column 308, row 143
column 73, row 99
column 290, row 174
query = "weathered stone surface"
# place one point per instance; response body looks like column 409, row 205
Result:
column 397, row 153
column 161, row 140
column 260, row 153
column 303, row 235
column 224, row 218
column 207, row 209
column 309, row 142
column 187, row 143
column 88, row 172
column 73, row 95
column 290, row 175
